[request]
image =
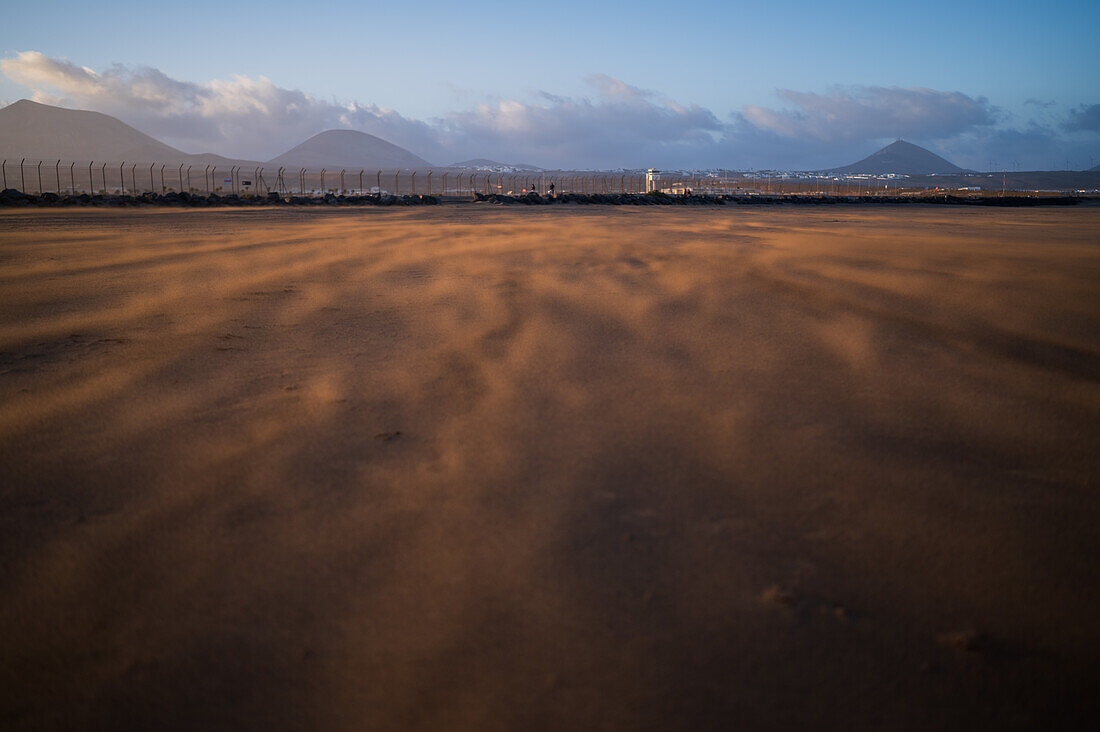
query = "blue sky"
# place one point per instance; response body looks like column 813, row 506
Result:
column 797, row 84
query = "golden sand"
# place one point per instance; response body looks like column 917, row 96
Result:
column 484, row 468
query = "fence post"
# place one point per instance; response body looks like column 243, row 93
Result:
column 72, row 179
column 163, row 188
column 57, row 175
column 444, row 191
column 5, row 168
column 40, row 177
column 323, row 181
column 22, row 178
column 379, row 181
column 103, row 177
column 429, row 182
column 341, row 181
column 361, row 192
column 152, row 185
column 396, row 183
column 413, row 182
column 133, row 181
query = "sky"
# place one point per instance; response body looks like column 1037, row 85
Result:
column 704, row 84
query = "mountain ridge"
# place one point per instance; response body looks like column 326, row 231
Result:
column 487, row 164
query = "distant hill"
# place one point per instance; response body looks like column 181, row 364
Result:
column 1094, row 170
column 486, row 164
column 348, row 148
column 903, row 158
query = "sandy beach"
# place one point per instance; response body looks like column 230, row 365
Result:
column 470, row 467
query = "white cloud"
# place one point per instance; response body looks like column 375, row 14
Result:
column 872, row 112
column 621, row 123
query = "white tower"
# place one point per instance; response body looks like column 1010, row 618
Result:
column 652, row 180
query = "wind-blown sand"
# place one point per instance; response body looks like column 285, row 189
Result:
column 473, row 468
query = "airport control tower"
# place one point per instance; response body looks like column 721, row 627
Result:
column 652, row 180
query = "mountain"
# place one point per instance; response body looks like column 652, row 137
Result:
column 348, row 149
column 1094, row 170
column 903, row 158
column 38, row 131
column 42, row 132
column 486, row 164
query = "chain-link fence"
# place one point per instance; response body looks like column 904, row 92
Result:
column 75, row 177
